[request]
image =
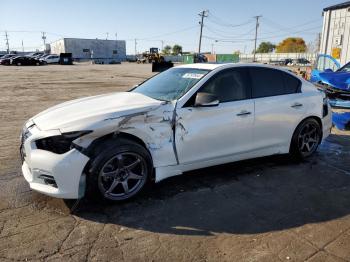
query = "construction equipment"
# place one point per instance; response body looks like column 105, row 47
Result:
column 153, row 56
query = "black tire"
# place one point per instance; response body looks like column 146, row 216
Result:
column 108, row 157
column 306, row 138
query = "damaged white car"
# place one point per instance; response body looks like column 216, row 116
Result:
column 188, row 117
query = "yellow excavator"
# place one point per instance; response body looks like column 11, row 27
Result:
column 158, row 62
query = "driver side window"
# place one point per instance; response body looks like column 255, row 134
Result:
column 229, row 85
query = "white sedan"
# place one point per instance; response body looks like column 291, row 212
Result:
column 52, row 59
column 188, row 117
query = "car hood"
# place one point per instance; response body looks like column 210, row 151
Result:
column 87, row 111
column 339, row 80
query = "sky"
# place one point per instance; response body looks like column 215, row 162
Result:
column 228, row 27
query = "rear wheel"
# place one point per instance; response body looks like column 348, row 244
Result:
column 120, row 171
column 306, row 139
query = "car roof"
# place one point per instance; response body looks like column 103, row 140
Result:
column 213, row 66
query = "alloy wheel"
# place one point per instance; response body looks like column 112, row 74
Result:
column 122, row 176
column 308, row 139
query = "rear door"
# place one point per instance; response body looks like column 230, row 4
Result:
column 279, row 108
column 212, row 133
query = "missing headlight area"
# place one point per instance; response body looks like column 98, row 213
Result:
column 59, row 144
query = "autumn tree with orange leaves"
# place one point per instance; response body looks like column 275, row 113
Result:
column 291, row 45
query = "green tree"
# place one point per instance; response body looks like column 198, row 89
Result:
column 291, row 45
column 266, row 47
column 167, row 50
column 177, row 49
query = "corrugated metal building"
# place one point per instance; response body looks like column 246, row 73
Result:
column 335, row 40
column 98, row 50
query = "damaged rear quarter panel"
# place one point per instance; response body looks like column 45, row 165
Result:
column 152, row 125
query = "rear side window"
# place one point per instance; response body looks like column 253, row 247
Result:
column 229, row 85
column 266, row 82
column 292, row 84
column 270, row 82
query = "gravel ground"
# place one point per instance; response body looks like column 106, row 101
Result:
column 267, row 209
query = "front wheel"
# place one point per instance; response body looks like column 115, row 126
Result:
column 120, row 171
column 306, row 139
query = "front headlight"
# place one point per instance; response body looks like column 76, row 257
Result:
column 60, row 144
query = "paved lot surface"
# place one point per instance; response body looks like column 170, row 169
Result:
column 269, row 209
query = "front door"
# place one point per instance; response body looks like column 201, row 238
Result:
column 209, row 133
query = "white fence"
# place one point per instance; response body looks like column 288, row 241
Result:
column 266, row 58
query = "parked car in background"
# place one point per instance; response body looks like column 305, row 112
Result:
column 25, row 60
column 300, row 62
column 36, row 54
column 187, row 117
column 332, row 79
column 286, row 61
column 6, row 59
column 51, row 59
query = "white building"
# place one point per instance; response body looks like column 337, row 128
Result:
column 335, row 40
column 101, row 51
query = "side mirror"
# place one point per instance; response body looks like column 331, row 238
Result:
column 205, row 100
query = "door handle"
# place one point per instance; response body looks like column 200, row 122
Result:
column 295, row 105
column 244, row 113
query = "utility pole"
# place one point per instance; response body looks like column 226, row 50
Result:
column 202, row 15
column 107, row 36
column 116, row 36
column 318, row 43
column 162, row 44
column 22, row 47
column 7, row 42
column 256, row 34
column 212, row 48
column 135, row 46
column 43, row 37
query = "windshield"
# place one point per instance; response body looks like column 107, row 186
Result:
column 171, row 84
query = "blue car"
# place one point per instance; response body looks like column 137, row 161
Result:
column 333, row 79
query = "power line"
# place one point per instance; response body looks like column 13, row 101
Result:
column 283, row 28
column 295, row 32
column 219, row 21
column 171, row 33
column 226, row 35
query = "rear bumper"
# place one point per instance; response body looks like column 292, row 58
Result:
column 327, row 124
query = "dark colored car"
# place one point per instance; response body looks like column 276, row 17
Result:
column 286, row 61
column 26, row 60
column 301, row 62
column 5, row 60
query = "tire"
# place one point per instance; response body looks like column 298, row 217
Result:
column 119, row 166
column 306, row 138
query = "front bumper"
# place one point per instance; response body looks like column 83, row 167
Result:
column 57, row 175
